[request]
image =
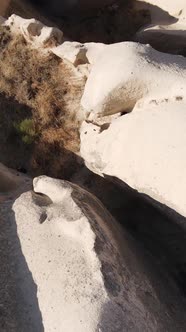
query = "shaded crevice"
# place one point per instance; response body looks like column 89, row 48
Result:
column 160, row 230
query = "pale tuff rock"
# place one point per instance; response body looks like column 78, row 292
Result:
column 50, row 39
column 82, row 56
column 34, row 31
column 72, row 51
column 93, row 51
column 86, row 268
column 128, row 72
column 168, row 34
column 146, row 149
column 162, row 10
column 78, row 53
column 64, row 248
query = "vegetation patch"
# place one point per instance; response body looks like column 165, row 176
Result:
column 50, row 89
column 26, row 130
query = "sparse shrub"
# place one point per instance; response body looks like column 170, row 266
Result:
column 26, row 130
column 49, row 89
column 42, row 83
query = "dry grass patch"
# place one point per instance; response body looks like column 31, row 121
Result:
column 44, row 83
column 49, row 87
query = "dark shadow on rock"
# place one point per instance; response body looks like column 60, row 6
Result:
column 94, row 21
column 162, row 15
column 160, row 230
column 19, row 308
column 107, row 21
column 151, row 252
column 173, row 42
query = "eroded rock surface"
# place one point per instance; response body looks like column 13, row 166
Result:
column 90, row 274
column 128, row 72
column 146, row 149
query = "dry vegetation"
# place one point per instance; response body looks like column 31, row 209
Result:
column 49, row 88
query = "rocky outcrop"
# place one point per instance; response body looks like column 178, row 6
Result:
column 69, row 265
column 139, row 73
column 89, row 273
column 145, row 149
column 34, row 32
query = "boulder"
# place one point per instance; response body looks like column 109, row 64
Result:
column 90, row 274
column 72, row 51
column 127, row 72
column 78, row 53
column 145, row 148
column 67, row 265
column 34, row 31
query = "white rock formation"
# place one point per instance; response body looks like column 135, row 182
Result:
column 72, row 51
column 51, row 39
column 72, row 266
column 146, row 149
column 34, row 31
column 160, row 8
column 78, row 53
column 59, row 244
column 87, row 270
column 128, row 72
column 80, row 57
column 167, row 31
